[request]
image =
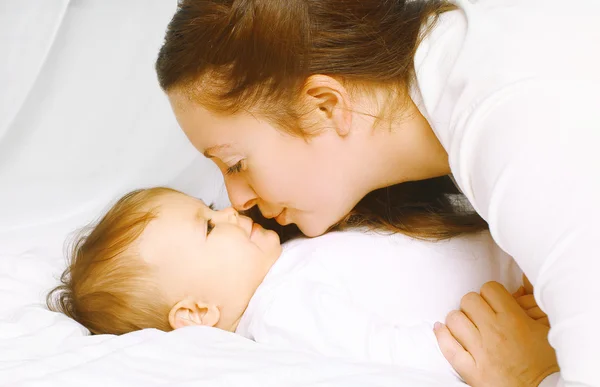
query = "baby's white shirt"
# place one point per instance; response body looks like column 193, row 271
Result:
column 372, row 297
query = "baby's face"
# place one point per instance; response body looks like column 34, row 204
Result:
column 209, row 257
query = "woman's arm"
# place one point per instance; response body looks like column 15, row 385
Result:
column 528, row 158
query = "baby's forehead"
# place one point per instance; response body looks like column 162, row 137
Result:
column 151, row 243
column 175, row 219
column 172, row 201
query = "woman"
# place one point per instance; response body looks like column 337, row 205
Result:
column 308, row 106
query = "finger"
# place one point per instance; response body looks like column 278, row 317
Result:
column 500, row 299
column 519, row 293
column 463, row 330
column 527, row 301
column 528, row 285
column 457, row 356
column 476, row 309
column 536, row 313
column 544, row 321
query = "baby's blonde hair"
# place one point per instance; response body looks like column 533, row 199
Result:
column 107, row 286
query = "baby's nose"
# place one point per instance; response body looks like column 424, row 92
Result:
column 228, row 215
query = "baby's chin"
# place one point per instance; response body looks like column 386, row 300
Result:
column 275, row 252
column 268, row 240
column 268, row 243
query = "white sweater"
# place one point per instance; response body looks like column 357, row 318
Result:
column 512, row 90
column 374, row 298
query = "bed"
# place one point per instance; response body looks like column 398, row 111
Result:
column 82, row 121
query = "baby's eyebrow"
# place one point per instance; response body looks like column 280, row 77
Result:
column 200, row 215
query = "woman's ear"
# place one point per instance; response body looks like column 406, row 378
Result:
column 191, row 313
column 329, row 103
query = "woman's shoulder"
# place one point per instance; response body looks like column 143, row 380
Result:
column 484, row 47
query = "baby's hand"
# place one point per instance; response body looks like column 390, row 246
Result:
column 524, row 297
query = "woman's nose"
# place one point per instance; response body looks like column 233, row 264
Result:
column 241, row 195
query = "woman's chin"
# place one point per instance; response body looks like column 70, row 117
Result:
column 313, row 230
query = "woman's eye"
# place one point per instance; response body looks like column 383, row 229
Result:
column 236, row 168
column 209, row 226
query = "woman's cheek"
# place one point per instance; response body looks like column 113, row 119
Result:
column 272, row 187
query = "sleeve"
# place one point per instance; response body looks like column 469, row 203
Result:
column 528, row 158
column 322, row 319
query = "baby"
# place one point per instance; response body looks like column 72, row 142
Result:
column 162, row 259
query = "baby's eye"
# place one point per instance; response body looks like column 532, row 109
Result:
column 209, row 226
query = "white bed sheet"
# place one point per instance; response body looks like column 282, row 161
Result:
column 82, row 120
column 188, row 357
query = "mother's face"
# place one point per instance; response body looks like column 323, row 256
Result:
column 310, row 183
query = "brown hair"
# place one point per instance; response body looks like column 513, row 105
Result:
column 107, row 287
column 232, row 55
column 432, row 209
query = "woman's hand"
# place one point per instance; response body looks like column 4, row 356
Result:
column 526, row 300
column 493, row 342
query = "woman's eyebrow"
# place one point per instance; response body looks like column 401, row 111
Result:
column 208, row 153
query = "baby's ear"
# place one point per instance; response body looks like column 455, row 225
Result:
column 190, row 313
